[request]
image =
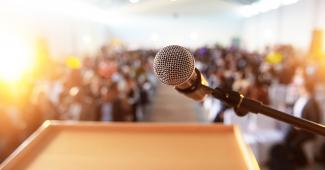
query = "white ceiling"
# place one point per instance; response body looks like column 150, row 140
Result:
column 170, row 7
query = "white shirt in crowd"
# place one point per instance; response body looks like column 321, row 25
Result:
column 299, row 105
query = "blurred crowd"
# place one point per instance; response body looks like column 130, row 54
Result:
column 118, row 85
column 114, row 85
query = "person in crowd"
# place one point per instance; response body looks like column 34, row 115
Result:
column 258, row 91
column 308, row 108
column 290, row 154
column 133, row 97
column 121, row 110
column 226, row 82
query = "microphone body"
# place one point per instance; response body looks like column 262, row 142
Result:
column 174, row 65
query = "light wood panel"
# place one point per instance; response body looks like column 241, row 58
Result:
column 118, row 146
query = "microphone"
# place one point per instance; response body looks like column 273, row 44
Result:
column 175, row 65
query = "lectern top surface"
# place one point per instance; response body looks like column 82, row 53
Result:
column 120, row 146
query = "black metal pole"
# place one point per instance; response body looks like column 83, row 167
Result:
column 288, row 118
column 243, row 105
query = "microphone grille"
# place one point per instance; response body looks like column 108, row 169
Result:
column 173, row 65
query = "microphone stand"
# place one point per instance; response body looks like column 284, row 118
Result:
column 243, row 106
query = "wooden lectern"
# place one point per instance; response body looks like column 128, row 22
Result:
column 139, row 146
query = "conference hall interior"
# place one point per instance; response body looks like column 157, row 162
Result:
column 91, row 64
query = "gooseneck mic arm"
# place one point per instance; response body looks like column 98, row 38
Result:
column 243, row 106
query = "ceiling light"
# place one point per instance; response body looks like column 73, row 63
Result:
column 134, row 1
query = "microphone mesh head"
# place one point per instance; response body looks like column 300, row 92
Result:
column 173, row 65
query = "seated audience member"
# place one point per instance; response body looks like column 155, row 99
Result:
column 226, row 83
column 308, row 108
column 290, row 154
column 258, row 91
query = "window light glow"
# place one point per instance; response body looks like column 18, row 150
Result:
column 16, row 58
column 263, row 6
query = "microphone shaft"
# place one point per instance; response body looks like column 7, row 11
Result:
column 243, row 105
column 288, row 118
